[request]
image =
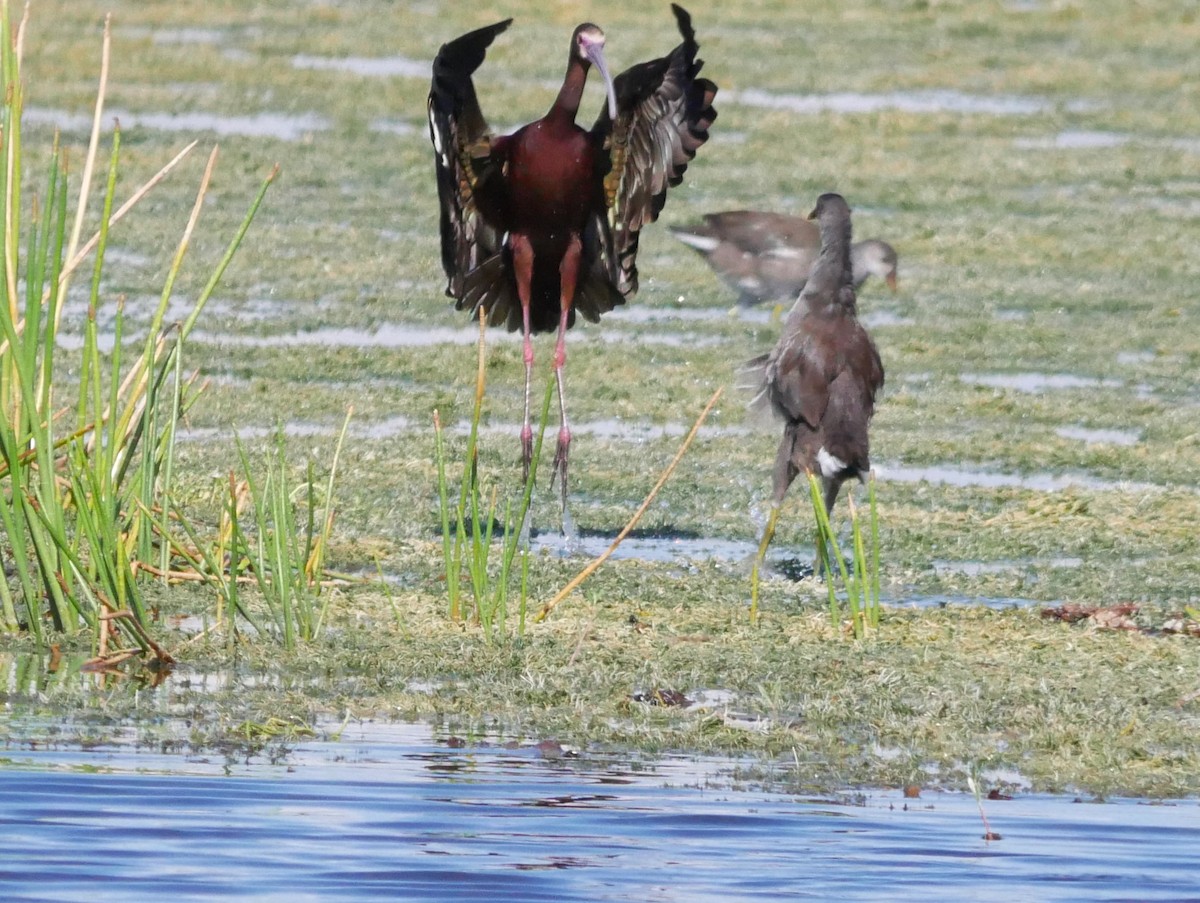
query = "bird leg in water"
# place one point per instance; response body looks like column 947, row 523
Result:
column 568, row 272
column 768, row 533
column 522, row 252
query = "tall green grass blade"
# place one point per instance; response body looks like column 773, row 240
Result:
column 875, row 612
column 13, row 516
column 759, row 558
column 449, row 544
column 859, row 579
column 823, row 539
column 57, row 226
column 285, row 557
column 856, row 588
column 490, row 591
column 515, row 535
column 79, row 512
column 230, row 252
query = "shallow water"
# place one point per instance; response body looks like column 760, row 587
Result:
column 787, row 563
column 1036, row 383
column 944, row 101
column 1100, row 436
column 1002, row 566
column 1085, row 139
column 394, row 127
column 281, row 126
column 1041, row 481
column 367, row 67
column 610, row 429
column 404, row 335
column 387, row 812
column 663, row 548
column 1074, row 139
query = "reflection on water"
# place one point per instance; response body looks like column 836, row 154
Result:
column 189, row 36
column 662, row 549
column 394, row 127
column 1085, row 139
column 388, row 813
column 1003, row 566
column 611, row 429
column 138, row 311
column 762, row 314
column 1074, row 139
column 874, row 319
column 402, row 335
column 963, row 600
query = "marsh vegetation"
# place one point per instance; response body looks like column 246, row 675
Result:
column 1036, row 444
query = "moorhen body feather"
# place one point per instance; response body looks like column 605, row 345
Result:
column 766, row 256
column 822, row 377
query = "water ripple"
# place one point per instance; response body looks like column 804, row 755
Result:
column 386, row 813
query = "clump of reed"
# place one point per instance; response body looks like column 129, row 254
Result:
column 87, row 447
column 857, row 581
column 466, row 541
column 272, row 535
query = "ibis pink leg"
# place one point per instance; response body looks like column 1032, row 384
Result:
column 568, row 272
column 522, row 252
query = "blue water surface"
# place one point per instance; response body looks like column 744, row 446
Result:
column 387, row 813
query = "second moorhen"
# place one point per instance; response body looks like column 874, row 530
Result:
column 769, row 256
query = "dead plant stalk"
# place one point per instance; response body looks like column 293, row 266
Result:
column 637, row 515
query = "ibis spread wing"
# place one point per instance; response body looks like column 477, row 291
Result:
column 664, row 110
column 464, row 155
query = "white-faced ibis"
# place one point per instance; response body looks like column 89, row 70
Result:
column 768, row 256
column 822, row 377
column 543, row 224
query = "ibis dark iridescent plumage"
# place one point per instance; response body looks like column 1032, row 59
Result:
column 543, row 224
column 823, row 374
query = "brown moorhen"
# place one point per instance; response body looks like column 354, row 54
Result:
column 822, row 377
column 768, row 256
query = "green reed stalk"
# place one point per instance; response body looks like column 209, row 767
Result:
column 860, row 579
column 481, row 546
column 83, row 513
column 449, row 544
column 317, row 542
column 284, row 555
column 259, row 548
column 755, row 571
column 874, row 607
column 824, row 539
column 469, row 488
column 514, row 529
column 490, row 593
column 492, row 608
